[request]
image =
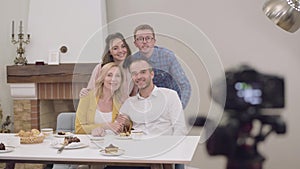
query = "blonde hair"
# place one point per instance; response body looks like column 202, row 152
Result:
column 117, row 95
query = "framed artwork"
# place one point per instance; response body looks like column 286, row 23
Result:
column 53, row 58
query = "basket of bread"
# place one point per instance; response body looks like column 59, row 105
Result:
column 33, row 136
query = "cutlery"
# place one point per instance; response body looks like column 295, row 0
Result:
column 100, row 147
column 62, row 147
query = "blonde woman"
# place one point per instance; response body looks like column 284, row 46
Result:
column 100, row 107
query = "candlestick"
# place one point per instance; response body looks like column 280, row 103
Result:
column 21, row 41
column 20, row 26
column 13, row 28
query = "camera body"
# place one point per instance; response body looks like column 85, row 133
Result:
column 248, row 92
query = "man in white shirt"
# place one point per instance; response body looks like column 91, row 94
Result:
column 154, row 110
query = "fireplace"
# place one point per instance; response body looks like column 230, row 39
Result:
column 41, row 92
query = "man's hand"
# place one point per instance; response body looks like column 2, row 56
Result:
column 123, row 119
column 116, row 127
column 125, row 122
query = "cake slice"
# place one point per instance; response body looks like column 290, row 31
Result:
column 70, row 139
column 111, row 149
column 2, row 146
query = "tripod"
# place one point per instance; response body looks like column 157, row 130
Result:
column 246, row 157
column 235, row 138
column 245, row 154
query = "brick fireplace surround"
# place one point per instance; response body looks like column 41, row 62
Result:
column 31, row 84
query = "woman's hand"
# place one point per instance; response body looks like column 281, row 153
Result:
column 83, row 92
column 98, row 132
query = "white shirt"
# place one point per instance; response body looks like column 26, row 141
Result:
column 159, row 114
column 101, row 117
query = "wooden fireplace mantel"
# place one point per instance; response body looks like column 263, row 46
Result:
column 62, row 73
column 32, row 83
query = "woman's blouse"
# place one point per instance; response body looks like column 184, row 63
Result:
column 102, row 117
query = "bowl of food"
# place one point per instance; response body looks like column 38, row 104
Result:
column 31, row 137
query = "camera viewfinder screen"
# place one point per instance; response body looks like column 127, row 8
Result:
column 249, row 93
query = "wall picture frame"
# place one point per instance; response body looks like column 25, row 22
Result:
column 53, row 58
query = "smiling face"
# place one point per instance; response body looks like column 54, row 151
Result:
column 145, row 40
column 118, row 50
column 113, row 79
column 142, row 74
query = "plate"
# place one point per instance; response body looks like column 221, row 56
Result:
column 93, row 138
column 7, row 149
column 137, row 132
column 120, row 152
column 123, row 137
column 68, row 134
column 70, row 146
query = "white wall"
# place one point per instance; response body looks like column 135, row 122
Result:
column 240, row 33
column 74, row 35
column 9, row 10
column 57, row 23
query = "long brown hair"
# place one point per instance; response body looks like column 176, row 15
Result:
column 107, row 57
column 100, row 82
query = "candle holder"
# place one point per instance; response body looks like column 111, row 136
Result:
column 21, row 42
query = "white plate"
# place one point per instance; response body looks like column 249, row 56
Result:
column 93, row 138
column 123, row 137
column 68, row 134
column 120, row 152
column 7, row 149
column 70, row 146
column 137, row 132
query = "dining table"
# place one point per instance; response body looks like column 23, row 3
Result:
column 154, row 152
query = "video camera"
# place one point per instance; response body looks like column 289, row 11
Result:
column 248, row 93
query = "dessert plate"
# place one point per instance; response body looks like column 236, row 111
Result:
column 67, row 134
column 120, row 152
column 7, row 149
column 93, row 138
column 123, row 137
column 69, row 146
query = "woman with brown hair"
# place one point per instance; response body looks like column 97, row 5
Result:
column 117, row 51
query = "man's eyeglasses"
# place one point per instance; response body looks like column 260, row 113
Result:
column 142, row 39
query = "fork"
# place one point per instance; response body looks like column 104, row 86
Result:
column 62, row 147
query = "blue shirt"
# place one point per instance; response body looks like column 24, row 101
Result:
column 168, row 73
